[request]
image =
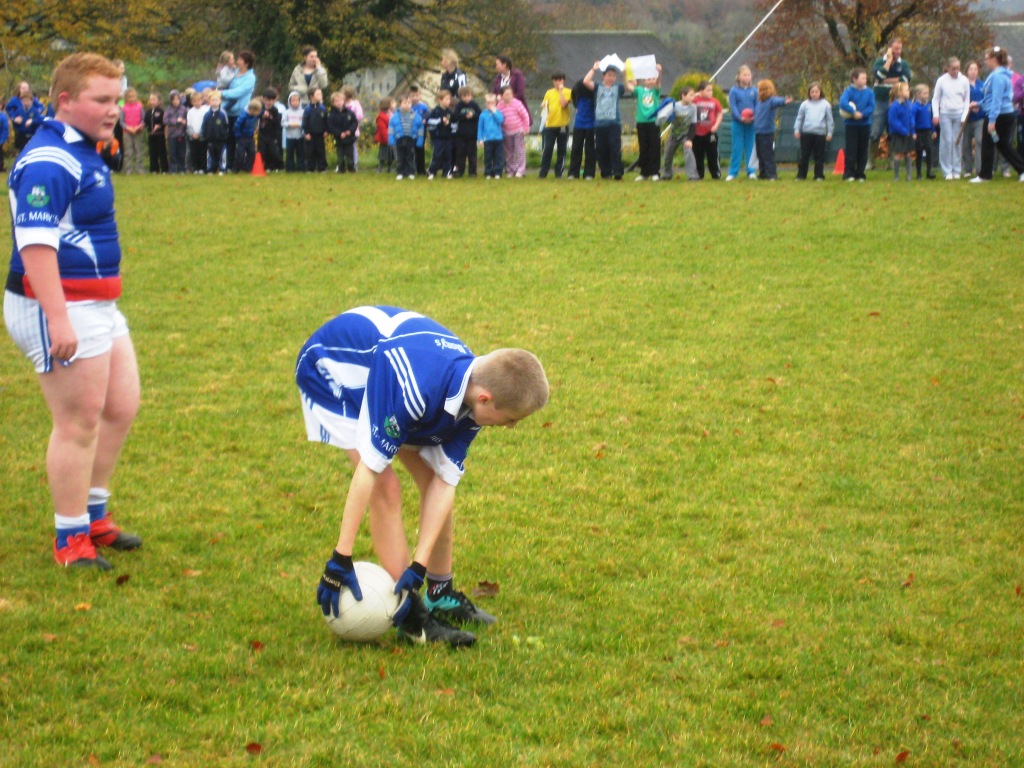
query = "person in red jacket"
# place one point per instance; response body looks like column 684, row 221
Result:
column 385, row 153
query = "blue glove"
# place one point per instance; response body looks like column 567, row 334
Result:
column 411, row 578
column 339, row 572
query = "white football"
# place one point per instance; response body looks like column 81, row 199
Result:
column 363, row 620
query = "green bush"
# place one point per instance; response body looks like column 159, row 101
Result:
column 693, row 79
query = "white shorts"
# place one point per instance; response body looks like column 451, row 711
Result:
column 96, row 323
column 324, row 426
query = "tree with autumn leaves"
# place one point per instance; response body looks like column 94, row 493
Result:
column 349, row 34
column 824, row 39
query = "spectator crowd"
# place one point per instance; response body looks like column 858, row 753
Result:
column 959, row 127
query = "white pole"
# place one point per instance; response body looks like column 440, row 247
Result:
column 745, row 40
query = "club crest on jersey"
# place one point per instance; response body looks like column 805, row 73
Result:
column 391, row 427
column 37, row 198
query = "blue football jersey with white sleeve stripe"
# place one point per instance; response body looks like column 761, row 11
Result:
column 61, row 197
column 402, row 375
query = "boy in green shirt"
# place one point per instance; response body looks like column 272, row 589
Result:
column 648, row 99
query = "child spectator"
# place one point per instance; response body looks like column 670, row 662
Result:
column 583, row 157
column 682, row 132
column 245, row 137
column 5, row 134
column 385, row 157
column 972, row 139
column 314, row 126
column 556, row 126
column 194, row 131
column 466, row 121
column 857, row 105
column 269, row 137
column 353, row 105
column 216, row 129
column 608, row 119
column 765, row 116
column 901, row 128
column 648, row 136
column 813, row 129
column 226, row 70
column 154, row 119
column 439, row 126
column 133, row 127
column 175, row 123
column 295, row 144
column 742, row 105
column 342, row 125
column 26, row 114
column 924, row 130
column 405, row 133
column 514, row 128
column 709, row 120
column 490, row 135
column 423, row 111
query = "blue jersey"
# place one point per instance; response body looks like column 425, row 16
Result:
column 401, row 375
column 61, row 197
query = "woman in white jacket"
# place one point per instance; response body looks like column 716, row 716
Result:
column 951, row 103
column 308, row 75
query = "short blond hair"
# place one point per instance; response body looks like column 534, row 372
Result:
column 515, row 378
column 71, row 75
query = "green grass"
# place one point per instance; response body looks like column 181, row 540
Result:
column 771, row 403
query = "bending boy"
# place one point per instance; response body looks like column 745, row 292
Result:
column 382, row 382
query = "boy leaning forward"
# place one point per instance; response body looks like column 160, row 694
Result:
column 383, row 382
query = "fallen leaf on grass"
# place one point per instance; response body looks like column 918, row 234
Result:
column 909, row 582
column 122, row 579
column 776, row 747
column 445, row 691
column 1020, row 588
column 93, row 760
column 155, row 760
column 256, row 645
column 190, row 573
column 902, row 756
column 486, row 589
column 382, row 672
column 253, row 747
column 874, row 314
column 778, row 624
column 547, row 425
column 83, row 607
column 190, row 647
column 48, row 638
column 766, row 721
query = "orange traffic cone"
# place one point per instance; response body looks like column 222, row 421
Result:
column 257, row 166
column 840, row 168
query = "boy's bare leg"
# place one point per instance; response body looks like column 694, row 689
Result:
column 75, row 396
column 119, row 409
column 386, row 529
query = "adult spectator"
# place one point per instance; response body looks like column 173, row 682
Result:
column 997, row 105
column 25, row 112
column 951, row 103
column 507, row 75
column 452, row 78
column 236, row 96
column 889, row 69
column 308, row 75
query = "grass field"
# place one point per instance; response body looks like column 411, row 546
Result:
column 773, row 514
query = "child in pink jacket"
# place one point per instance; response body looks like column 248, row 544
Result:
column 515, row 128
